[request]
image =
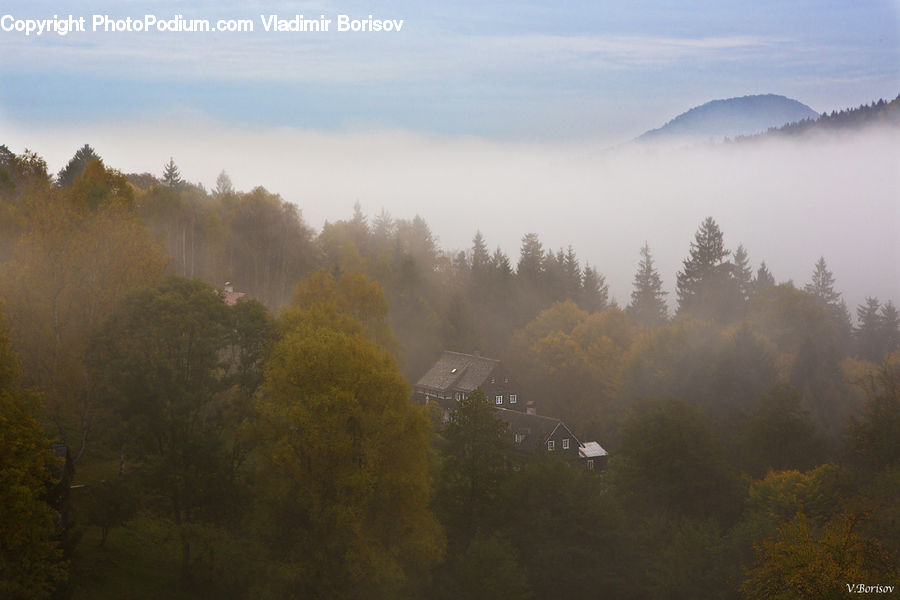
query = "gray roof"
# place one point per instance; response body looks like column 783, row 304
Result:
column 536, row 428
column 457, row 371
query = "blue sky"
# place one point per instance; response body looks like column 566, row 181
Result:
column 504, row 70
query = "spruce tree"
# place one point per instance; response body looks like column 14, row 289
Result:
column 742, row 272
column 868, row 333
column 648, row 304
column 531, row 258
column 594, row 291
column 890, row 327
column 706, row 286
column 171, row 175
column 822, row 288
column 822, row 285
column 762, row 281
column 76, row 165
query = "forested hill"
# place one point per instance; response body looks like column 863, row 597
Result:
column 269, row 447
column 731, row 117
column 879, row 113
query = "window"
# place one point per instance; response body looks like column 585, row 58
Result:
column 520, row 437
column 551, row 445
column 506, row 380
column 499, row 399
column 590, row 464
column 458, row 396
column 512, row 398
column 492, row 380
column 566, row 444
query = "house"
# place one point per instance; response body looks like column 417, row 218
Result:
column 533, row 435
column 230, row 296
column 456, row 375
column 594, row 456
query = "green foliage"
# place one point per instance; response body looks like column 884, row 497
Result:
column 66, row 274
column 487, row 569
column 808, row 562
column 669, row 460
column 648, row 304
column 780, row 435
column 83, row 156
column 875, row 438
column 344, row 483
column 159, row 359
column 706, row 285
column 571, row 358
column 30, row 558
column 568, row 535
column 475, row 463
column 110, row 503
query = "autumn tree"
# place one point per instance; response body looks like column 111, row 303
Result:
column 476, row 461
column 158, row 359
column 66, row 274
column 648, row 304
column 344, row 475
column 30, row 558
column 670, row 460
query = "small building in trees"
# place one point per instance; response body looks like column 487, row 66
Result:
column 456, row 375
column 230, row 296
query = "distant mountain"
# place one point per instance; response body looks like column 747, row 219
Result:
column 730, row 118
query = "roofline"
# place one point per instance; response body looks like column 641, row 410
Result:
column 493, row 360
column 567, row 429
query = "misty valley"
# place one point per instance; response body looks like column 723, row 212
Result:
column 203, row 396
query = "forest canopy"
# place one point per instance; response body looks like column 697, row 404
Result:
column 198, row 385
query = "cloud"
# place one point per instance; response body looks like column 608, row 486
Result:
column 788, row 202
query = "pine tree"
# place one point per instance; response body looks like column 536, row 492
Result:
column 531, row 258
column 706, row 286
column 868, row 333
column 76, row 165
column 742, row 272
column 594, row 291
column 480, row 256
column 648, row 304
column 890, row 327
column 171, row 175
column 501, row 262
column 822, row 288
column 572, row 271
column 822, row 285
column 762, row 281
column 223, row 184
